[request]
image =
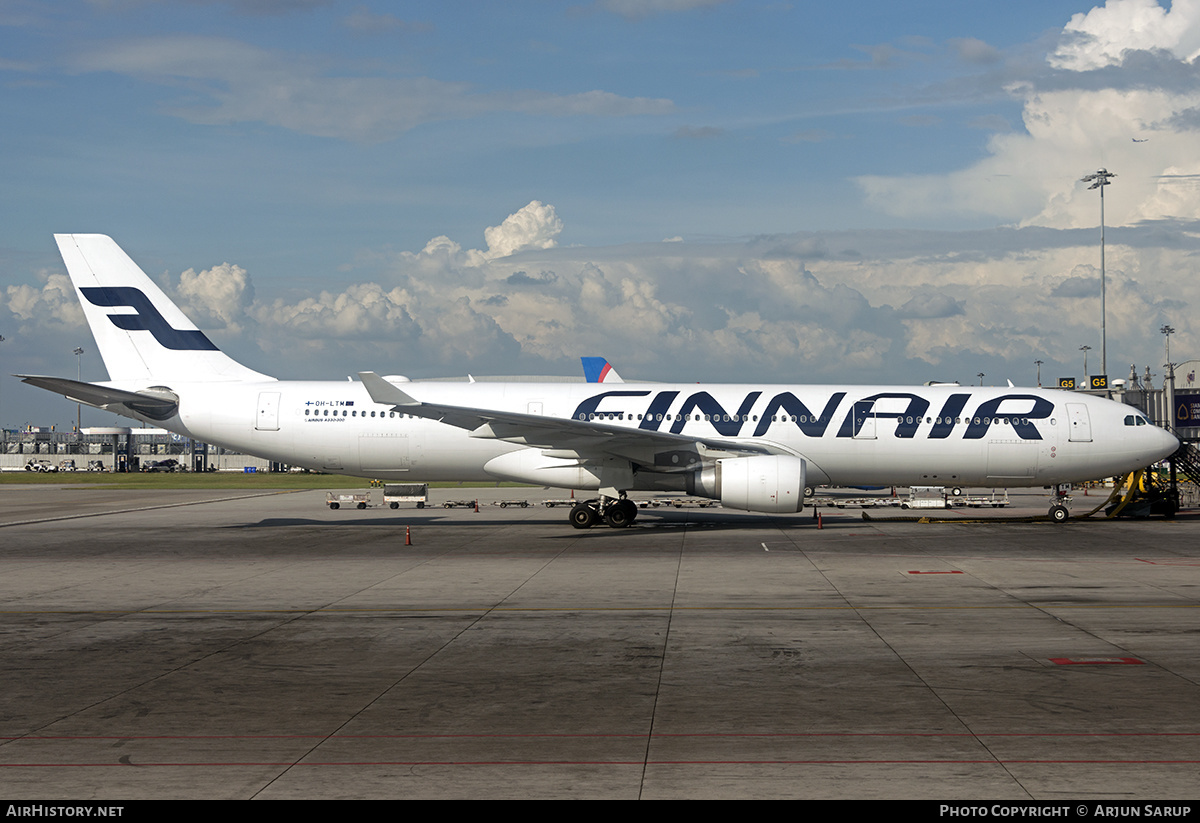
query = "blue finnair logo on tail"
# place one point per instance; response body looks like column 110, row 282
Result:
column 146, row 318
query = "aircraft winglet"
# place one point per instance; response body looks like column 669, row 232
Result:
column 382, row 391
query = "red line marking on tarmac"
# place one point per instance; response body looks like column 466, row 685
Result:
column 951, row 572
column 242, row 764
column 1097, row 661
column 557, row 736
column 1171, row 561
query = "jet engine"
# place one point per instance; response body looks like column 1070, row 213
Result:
column 763, row 483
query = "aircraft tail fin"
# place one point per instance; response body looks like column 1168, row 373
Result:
column 142, row 335
column 598, row 370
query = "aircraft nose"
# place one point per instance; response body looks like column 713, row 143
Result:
column 1168, row 442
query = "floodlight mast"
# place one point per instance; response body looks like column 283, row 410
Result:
column 78, row 352
column 1099, row 180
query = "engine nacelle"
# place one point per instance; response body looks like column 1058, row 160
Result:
column 763, row 483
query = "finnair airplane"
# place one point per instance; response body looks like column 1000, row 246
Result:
column 753, row 447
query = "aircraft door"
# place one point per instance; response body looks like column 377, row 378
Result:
column 1081, row 424
column 268, row 412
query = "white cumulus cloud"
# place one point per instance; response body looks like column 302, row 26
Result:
column 1102, row 36
column 54, row 300
column 536, row 226
column 841, row 307
column 216, row 297
column 1102, row 108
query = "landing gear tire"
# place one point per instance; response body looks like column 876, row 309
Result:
column 1059, row 514
column 620, row 514
column 583, row 516
column 809, row 491
column 956, row 492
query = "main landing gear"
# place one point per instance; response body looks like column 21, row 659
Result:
column 616, row 512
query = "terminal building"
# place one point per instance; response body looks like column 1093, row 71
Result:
column 118, row 449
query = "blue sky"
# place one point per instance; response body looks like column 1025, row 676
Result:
column 879, row 192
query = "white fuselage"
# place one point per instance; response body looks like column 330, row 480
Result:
column 849, row 435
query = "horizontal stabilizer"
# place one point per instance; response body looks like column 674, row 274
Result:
column 158, row 406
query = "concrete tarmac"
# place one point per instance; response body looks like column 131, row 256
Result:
column 215, row 645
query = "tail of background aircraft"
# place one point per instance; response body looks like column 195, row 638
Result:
column 142, row 335
column 598, row 370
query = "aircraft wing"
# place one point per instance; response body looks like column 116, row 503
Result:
column 566, row 437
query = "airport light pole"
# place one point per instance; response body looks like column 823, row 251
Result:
column 1099, row 180
column 980, row 376
column 2, row 438
column 78, row 406
column 1085, row 350
column 1039, row 365
column 1169, row 385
